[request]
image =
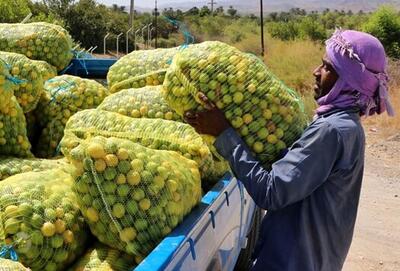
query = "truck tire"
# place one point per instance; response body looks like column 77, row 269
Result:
column 244, row 262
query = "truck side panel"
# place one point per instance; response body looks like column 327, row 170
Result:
column 211, row 237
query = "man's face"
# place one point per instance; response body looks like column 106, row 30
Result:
column 325, row 78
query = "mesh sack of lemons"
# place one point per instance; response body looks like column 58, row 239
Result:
column 132, row 196
column 63, row 96
column 157, row 134
column 103, row 258
column 268, row 115
column 40, row 219
column 45, row 69
column 148, row 102
column 30, row 88
column 39, row 41
column 11, row 265
column 10, row 166
column 139, row 69
column 13, row 138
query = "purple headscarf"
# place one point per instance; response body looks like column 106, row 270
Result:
column 360, row 61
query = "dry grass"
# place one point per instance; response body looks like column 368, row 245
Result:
column 386, row 125
column 251, row 44
column 294, row 62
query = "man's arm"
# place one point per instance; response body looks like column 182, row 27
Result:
column 303, row 169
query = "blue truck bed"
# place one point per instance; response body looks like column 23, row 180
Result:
column 211, row 237
column 89, row 67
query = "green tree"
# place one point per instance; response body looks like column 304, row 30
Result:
column 231, row 11
column 204, row 11
column 13, row 11
column 385, row 25
column 310, row 28
column 273, row 16
column 49, row 18
column 219, row 10
column 168, row 12
column 193, row 11
column 284, row 30
column 87, row 22
column 172, row 14
column 59, row 7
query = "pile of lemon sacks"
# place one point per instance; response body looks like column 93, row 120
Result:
column 148, row 102
column 30, row 54
column 118, row 166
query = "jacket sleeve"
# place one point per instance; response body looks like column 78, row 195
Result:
column 301, row 171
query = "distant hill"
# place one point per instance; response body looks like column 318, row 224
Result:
column 283, row 5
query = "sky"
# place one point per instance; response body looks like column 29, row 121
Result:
column 145, row 3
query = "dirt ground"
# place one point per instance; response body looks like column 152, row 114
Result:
column 376, row 242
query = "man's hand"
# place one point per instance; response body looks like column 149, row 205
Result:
column 211, row 122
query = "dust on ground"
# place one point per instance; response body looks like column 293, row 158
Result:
column 376, row 242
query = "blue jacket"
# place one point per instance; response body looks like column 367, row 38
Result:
column 311, row 194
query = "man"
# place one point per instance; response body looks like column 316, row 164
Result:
column 312, row 193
